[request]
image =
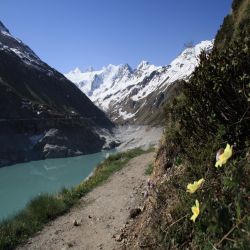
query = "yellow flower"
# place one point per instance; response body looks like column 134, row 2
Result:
column 191, row 188
column 195, row 210
column 222, row 158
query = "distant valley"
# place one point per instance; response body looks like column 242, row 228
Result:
column 45, row 114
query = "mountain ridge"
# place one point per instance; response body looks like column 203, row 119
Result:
column 36, row 101
column 118, row 89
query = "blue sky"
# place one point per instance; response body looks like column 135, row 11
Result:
column 70, row 33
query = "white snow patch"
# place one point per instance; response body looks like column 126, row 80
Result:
column 125, row 115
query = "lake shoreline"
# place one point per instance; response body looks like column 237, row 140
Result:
column 45, row 208
column 22, row 182
column 121, row 138
column 101, row 214
column 30, row 179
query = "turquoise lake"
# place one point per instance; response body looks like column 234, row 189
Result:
column 21, row 182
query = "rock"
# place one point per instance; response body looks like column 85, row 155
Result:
column 111, row 145
column 54, row 151
column 114, row 144
column 70, row 244
column 168, row 164
column 76, row 223
column 64, row 142
column 145, row 194
column 100, row 246
column 119, row 237
column 142, row 207
column 50, row 135
column 134, row 212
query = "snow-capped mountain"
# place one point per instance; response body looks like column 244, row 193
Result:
column 42, row 113
column 94, row 82
column 12, row 44
column 122, row 91
column 35, row 80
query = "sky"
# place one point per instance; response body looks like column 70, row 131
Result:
column 81, row 33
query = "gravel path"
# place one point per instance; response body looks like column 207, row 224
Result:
column 101, row 213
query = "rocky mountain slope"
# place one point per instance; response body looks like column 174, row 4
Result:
column 42, row 114
column 127, row 94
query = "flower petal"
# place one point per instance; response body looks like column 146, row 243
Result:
column 197, row 203
column 195, row 210
column 191, row 188
column 223, row 158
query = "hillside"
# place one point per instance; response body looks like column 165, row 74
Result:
column 199, row 196
column 235, row 24
column 42, row 114
column 127, row 94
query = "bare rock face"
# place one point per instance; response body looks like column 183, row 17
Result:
column 58, row 144
column 54, row 151
column 112, row 145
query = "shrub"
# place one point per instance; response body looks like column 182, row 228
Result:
column 214, row 109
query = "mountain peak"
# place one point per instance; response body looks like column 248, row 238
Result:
column 191, row 53
column 76, row 70
column 110, row 67
column 113, row 85
column 3, row 28
column 142, row 64
column 206, row 45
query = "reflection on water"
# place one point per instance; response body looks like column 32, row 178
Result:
column 21, row 182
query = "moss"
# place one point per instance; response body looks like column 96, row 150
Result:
column 149, row 169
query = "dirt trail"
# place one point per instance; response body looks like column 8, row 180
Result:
column 101, row 213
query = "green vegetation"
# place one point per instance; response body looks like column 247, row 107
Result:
column 149, row 169
column 213, row 110
column 235, row 24
column 46, row 207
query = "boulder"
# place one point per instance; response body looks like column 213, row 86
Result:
column 54, row 151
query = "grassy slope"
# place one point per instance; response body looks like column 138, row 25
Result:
column 214, row 109
column 235, row 23
column 47, row 207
